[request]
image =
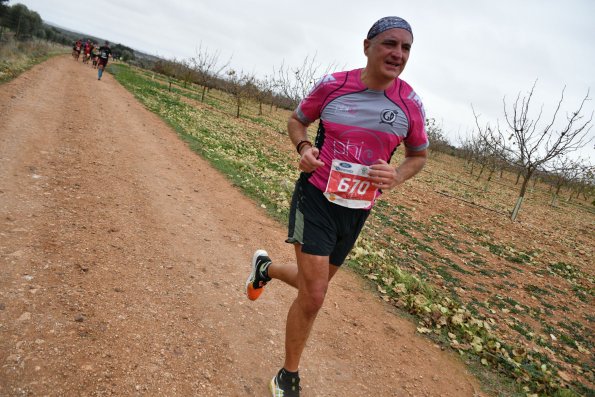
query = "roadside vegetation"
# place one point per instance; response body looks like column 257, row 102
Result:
column 18, row 56
column 514, row 299
column 25, row 40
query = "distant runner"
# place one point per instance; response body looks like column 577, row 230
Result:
column 104, row 53
column 87, row 51
column 76, row 49
column 95, row 55
column 365, row 114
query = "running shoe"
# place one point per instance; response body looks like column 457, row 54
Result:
column 259, row 275
column 288, row 387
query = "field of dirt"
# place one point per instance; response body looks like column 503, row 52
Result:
column 123, row 257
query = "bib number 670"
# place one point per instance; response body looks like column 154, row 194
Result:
column 353, row 186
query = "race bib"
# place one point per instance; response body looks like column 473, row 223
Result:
column 349, row 185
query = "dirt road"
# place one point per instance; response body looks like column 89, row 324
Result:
column 123, row 257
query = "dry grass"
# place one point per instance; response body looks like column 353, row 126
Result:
column 18, row 56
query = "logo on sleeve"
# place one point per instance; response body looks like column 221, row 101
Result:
column 415, row 98
column 388, row 116
column 326, row 79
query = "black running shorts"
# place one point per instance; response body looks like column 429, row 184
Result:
column 321, row 227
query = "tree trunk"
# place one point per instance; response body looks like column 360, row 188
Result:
column 204, row 89
column 533, row 185
column 518, row 177
column 260, row 108
column 239, row 104
column 516, row 209
column 18, row 27
column 555, row 194
column 492, row 170
column 480, row 171
column 519, row 202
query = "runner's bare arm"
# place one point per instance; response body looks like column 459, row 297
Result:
column 298, row 132
column 387, row 177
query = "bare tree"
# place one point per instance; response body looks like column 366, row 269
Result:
column 207, row 68
column 565, row 171
column 186, row 72
column 530, row 146
column 489, row 154
column 481, row 151
column 438, row 141
column 263, row 91
column 240, row 86
column 584, row 183
column 296, row 83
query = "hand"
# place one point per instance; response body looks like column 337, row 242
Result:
column 384, row 176
column 309, row 160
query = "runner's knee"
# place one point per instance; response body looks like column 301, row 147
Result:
column 312, row 301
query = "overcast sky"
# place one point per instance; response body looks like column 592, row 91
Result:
column 464, row 52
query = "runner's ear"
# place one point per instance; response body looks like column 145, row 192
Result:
column 366, row 46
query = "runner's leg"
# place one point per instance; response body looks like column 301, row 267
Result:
column 284, row 272
column 312, row 279
column 287, row 272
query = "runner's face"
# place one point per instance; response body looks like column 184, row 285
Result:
column 388, row 53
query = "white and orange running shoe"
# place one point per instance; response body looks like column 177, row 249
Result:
column 259, row 275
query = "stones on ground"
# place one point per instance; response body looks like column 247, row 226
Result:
column 25, row 317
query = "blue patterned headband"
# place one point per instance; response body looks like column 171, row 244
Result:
column 386, row 23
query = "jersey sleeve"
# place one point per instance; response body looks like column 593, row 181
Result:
column 417, row 138
column 310, row 107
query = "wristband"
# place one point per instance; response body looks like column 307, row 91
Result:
column 301, row 144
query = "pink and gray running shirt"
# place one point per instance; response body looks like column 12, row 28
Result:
column 360, row 125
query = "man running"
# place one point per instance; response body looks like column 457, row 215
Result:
column 76, row 49
column 364, row 115
column 104, row 53
column 87, row 51
column 94, row 54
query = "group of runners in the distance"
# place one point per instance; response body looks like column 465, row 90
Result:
column 98, row 55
